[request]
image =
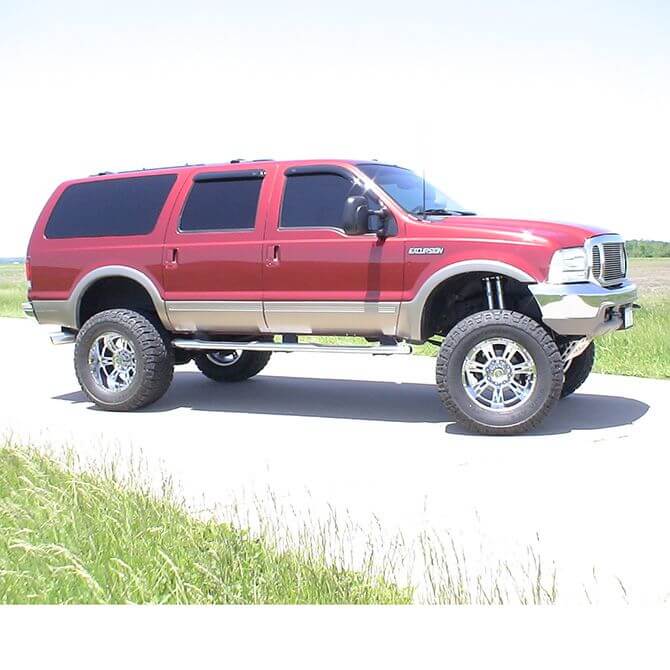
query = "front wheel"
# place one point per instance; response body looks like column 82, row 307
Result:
column 499, row 372
column 233, row 365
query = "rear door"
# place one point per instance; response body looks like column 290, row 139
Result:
column 317, row 279
column 214, row 249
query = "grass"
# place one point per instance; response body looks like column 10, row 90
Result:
column 77, row 537
column 73, row 535
column 642, row 351
column 12, row 290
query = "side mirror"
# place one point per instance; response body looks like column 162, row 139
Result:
column 355, row 215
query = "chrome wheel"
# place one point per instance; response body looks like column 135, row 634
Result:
column 112, row 361
column 225, row 358
column 499, row 374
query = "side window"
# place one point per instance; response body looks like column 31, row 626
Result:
column 228, row 204
column 316, row 200
column 109, row 207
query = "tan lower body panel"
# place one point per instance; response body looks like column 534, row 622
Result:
column 332, row 318
column 216, row 316
column 323, row 317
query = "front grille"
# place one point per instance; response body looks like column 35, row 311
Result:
column 596, row 262
column 608, row 262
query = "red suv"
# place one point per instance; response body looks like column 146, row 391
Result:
column 225, row 264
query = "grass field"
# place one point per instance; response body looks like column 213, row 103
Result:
column 12, row 289
column 643, row 351
column 69, row 537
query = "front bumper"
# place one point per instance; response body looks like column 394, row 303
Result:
column 583, row 309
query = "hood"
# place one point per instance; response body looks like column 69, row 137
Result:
column 550, row 233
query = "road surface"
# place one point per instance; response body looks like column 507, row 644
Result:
column 366, row 439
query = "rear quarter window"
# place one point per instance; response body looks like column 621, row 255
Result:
column 110, row 207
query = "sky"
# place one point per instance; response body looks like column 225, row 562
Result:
column 538, row 109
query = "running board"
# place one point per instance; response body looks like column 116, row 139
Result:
column 309, row 347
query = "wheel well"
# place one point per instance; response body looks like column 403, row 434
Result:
column 465, row 294
column 113, row 293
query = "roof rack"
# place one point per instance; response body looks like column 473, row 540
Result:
column 254, row 160
column 163, row 167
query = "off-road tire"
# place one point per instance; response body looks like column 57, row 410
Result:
column 579, row 370
column 154, row 359
column 526, row 332
column 249, row 364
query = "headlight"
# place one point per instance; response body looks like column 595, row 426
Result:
column 569, row 265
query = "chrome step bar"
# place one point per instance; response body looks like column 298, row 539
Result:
column 308, row 347
column 62, row 338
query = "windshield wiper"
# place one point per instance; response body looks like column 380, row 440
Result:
column 445, row 212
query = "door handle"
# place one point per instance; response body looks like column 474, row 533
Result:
column 273, row 256
column 172, row 259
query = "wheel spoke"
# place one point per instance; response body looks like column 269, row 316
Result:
column 480, row 387
column 510, row 350
column 498, row 398
column 474, row 367
column 523, row 368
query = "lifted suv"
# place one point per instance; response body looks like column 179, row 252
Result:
column 225, row 264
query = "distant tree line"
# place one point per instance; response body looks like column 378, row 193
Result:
column 648, row 249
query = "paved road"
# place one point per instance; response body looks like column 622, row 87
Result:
column 366, row 437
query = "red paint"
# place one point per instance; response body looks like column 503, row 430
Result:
column 309, row 264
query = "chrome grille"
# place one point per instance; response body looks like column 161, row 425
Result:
column 595, row 264
column 614, row 265
column 608, row 260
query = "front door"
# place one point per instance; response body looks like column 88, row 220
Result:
column 317, row 279
column 214, row 249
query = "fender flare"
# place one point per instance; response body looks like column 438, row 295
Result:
column 125, row 271
column 410, row 317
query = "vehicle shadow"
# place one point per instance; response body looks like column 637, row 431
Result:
column 366, row 400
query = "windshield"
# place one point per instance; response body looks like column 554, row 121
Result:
column 407, row 189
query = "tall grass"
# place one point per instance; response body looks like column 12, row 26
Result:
column 73, row 535
column 13, row 289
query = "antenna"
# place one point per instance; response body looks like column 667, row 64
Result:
column 423, row 184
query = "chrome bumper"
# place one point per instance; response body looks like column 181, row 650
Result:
column 28, row 310
column 583, row 309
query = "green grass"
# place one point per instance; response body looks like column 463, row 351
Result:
column 642, row 351
column 12, row 289
column 72, row 537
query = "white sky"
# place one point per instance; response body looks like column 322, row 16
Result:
column 544, row 109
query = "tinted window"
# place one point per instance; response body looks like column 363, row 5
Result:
column 221, row 205
column 316, row 200
column 113, row 207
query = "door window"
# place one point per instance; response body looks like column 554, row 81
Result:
column 317, row 200
column 229, row 204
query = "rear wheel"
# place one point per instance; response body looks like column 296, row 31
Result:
column 231, row 365
column 499, row 372
column 580, row 368
column 123, row 361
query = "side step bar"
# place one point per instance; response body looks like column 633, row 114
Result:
column 62, row 338
column 311, row 347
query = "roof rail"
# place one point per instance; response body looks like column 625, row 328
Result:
column 162, row 167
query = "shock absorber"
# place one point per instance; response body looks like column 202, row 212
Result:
column 488, row 287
